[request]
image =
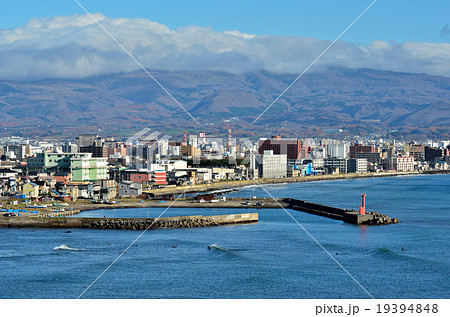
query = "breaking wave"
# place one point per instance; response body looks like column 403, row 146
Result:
column 66, row 247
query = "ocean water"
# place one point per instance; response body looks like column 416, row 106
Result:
column 274, row 258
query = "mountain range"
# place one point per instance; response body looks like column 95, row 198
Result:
column 357, row 100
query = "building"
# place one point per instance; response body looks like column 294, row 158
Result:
column 334, row 165
column 82, row 166
column 89, row 140
column 292, row 148
column 433, row 154
column 271, row 166
column 371, row 157
column 204, row 175
column 339, row 150
column 416, row 150
column 404, row 163
column 359, row 148
column 20, row 151
column 293, row 171
column 97, row 151
column 107, row 190
column 148, row 177
column 159, row 177
column 220, row 173
column 30, row 190
column 69, row 147
column 127, row 189
column 357, row 165
column 190, row 151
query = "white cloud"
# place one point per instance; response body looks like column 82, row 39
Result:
column 75, row 47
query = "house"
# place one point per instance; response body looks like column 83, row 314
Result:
column 30, row 190
column 206, row 197
column 69, row 191
column 107, row 190
column 127, row 189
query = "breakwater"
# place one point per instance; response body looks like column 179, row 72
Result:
column 129, row 223
column 346, row 215
column 256, row 203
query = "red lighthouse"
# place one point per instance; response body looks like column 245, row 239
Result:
column 362, row 209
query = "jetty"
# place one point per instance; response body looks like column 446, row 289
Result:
column 360, row 217
column 129, row 223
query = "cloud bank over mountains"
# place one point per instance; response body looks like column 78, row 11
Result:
column 75, row 47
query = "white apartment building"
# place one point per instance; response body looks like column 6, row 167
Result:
column 271, row 166
column 404, row 163
column 339, row 150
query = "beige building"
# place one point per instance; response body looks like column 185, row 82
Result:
column 190, row 151
column 30, row 190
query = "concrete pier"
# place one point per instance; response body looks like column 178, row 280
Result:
column 349, row 216
column 128, row 223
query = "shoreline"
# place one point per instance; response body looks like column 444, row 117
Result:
column 234, row 185
column 226, row 187
column 268, row 203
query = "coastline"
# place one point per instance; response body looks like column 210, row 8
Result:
column 231, row 185
column 82, row 205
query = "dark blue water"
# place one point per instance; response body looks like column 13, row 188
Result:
column 272, row 259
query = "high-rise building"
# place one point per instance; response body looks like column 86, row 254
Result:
column 18, row 150
column 371, row 157
column 69, row 147
column 339, row 150
column 89, row 140
column 97, row 151
column 433, row 153
column 271, row 165
column 292, row 148
column 190, row 151
column 359, row 148
column 415, row 150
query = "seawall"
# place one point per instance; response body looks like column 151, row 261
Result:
column 128, row 223
column 346, row 215
column 264, row 181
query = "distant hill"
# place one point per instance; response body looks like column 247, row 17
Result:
column 338, row 97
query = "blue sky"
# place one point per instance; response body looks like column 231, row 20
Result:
column 398, row 20
column 56, row 39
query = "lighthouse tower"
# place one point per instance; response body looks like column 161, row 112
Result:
column 362, row 209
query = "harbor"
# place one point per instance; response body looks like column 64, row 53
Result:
column 59, row 219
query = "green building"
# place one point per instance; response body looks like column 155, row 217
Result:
column 82, row 166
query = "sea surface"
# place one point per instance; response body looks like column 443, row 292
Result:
column 275, row 258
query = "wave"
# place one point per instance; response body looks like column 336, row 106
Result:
column 216, row 247
column 386, row 253
column 66, row 247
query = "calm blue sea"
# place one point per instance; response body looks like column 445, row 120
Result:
column 272, row 259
